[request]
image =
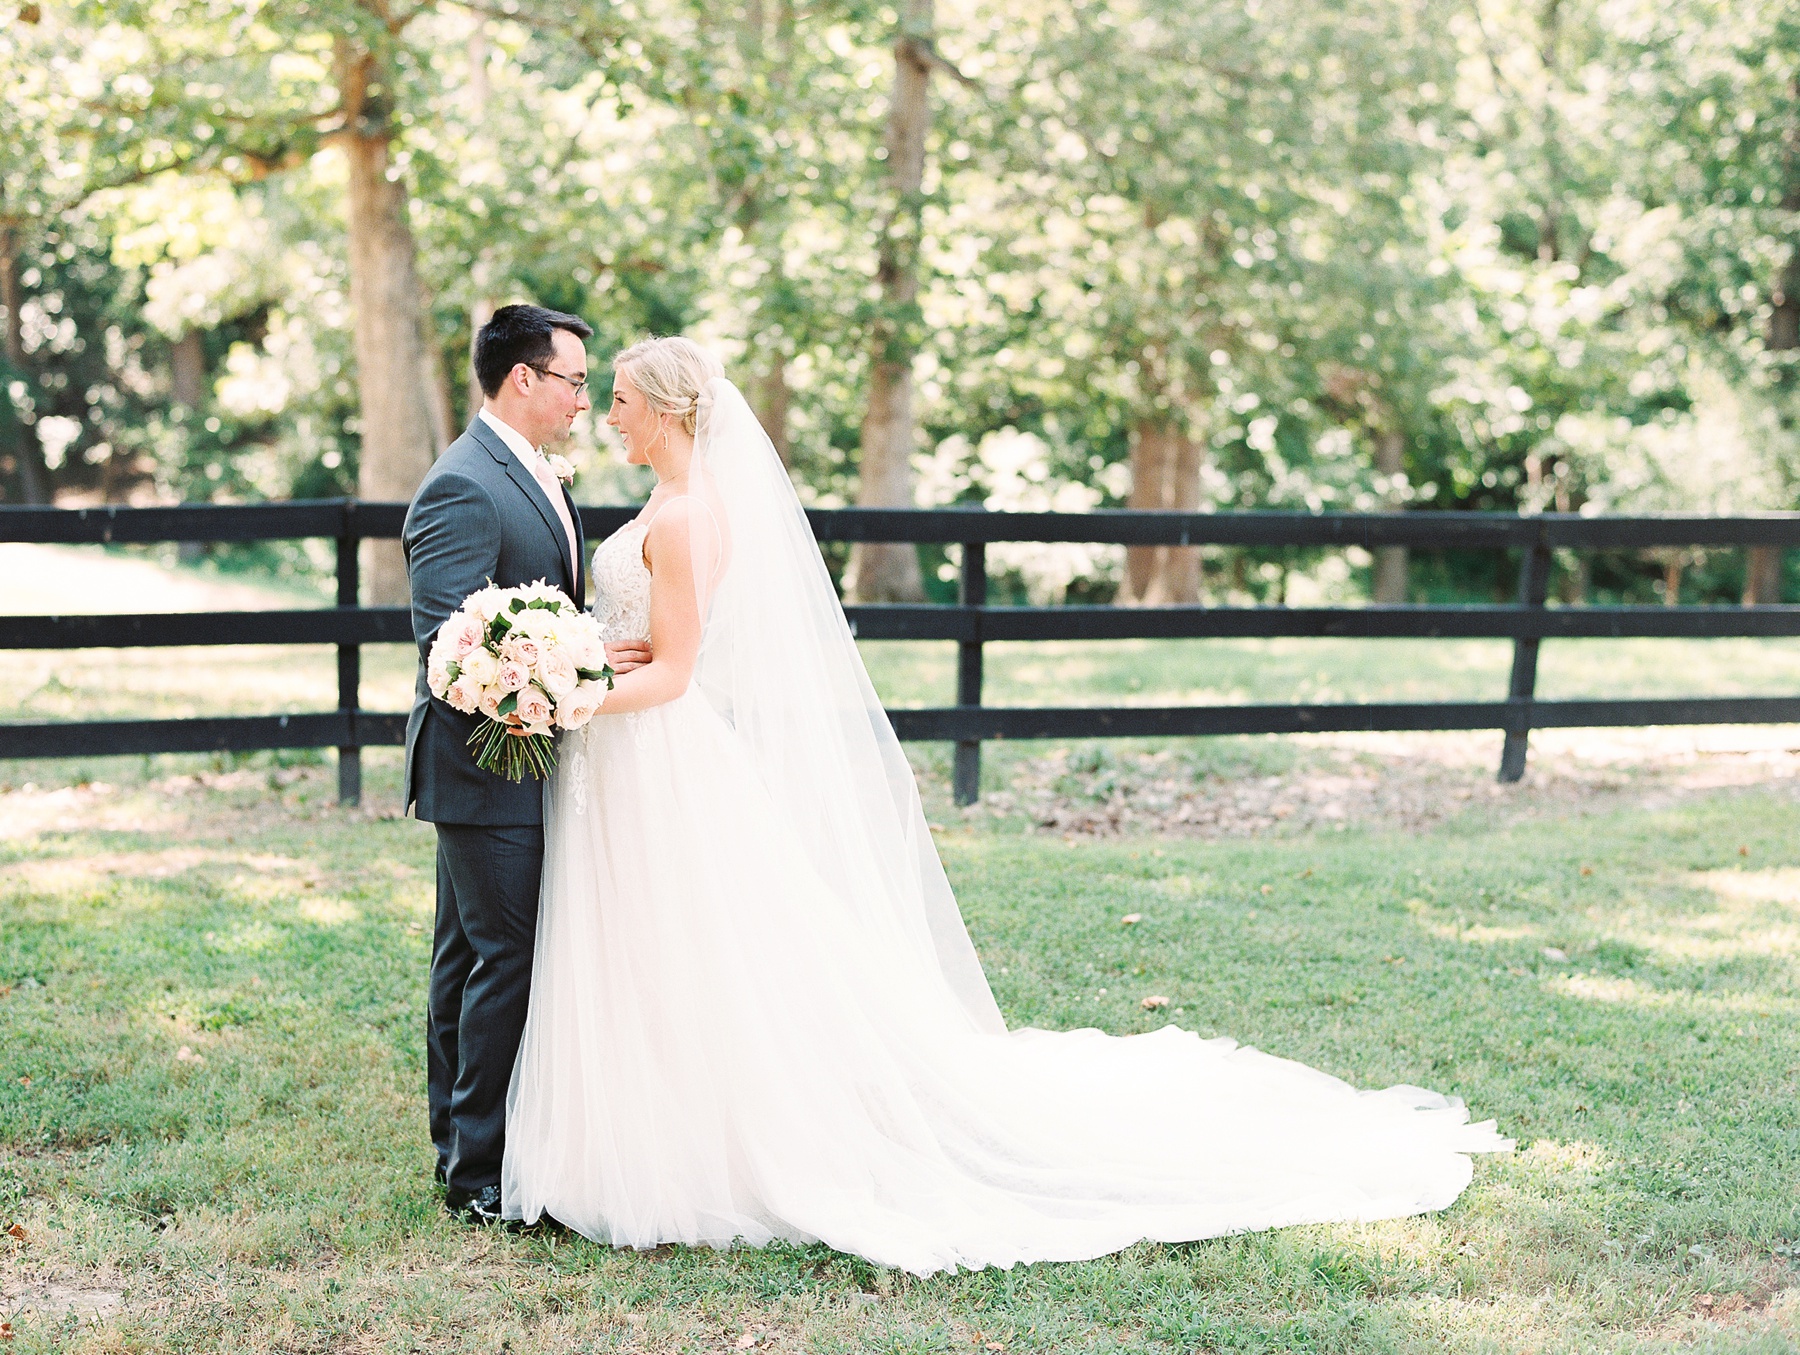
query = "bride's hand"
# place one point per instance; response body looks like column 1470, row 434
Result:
column 627, row 655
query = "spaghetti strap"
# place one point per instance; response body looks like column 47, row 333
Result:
column 677, row 499
column 717, row 530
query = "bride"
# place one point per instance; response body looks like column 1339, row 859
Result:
column 755, row 1011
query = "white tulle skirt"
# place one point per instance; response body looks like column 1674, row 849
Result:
column 716, row 1052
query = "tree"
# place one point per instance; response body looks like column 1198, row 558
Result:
column 250, row 93
column 1204, row 206
column 404, row 412
column 889, row 571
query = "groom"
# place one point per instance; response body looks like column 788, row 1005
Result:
column 491, row 510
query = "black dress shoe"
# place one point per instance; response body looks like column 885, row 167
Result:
column 474, row 1206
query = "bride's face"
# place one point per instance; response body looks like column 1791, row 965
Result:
column 639, row 426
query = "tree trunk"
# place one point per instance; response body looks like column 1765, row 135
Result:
column 187, row 389
column 187, row 370
column 1762, row 580
column 1672, row 582
column 1573, row 584
column 770, row 397
column 1390, row 583
column 479, row 315
column 397, row 418
column 880, row 571
column 1784, row 304
column 485, row 304
column 437, row 383
column 1165, row 476
column 27, row 451
column 764, row 222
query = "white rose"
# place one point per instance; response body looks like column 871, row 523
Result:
column 464, row 694
column 437, row 671
column 556, row 670
column 489, row 701
column 481, row 665
column 533, row 623
column 485, row 603
column 578, row 707
column 585, row 647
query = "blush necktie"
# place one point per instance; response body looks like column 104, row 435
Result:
column 547, row 481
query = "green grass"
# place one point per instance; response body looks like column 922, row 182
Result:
column 276, row 1195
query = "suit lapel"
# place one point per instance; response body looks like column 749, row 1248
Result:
column 534, row 494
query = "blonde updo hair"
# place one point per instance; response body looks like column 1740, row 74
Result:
column 669, row 374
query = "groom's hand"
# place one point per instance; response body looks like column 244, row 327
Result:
column 628, row 654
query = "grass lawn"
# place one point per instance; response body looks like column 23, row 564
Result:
column 1619, row 988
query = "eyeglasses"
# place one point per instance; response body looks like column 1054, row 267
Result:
column 578, row 384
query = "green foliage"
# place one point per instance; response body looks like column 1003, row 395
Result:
column 1543, row 254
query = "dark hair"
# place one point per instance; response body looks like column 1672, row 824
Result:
column 518, row 334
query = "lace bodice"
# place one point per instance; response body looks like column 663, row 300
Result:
column 622, row 584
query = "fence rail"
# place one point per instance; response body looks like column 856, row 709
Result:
column 970, row 622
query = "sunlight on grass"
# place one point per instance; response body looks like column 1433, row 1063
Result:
column 1617, row 984
column 281, row 1165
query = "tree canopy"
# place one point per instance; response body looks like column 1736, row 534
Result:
column 1498, row 254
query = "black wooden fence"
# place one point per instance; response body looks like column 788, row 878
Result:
column 970, row 622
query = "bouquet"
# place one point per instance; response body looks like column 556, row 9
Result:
column 525, row 658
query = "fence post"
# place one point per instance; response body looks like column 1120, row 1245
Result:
column 1534, row 587
column 349, row 662
column 972, row 592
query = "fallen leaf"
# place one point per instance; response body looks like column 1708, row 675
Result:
column 1268, row 889
column 747, row 1340
column 6, row 1331
column 16, row 1232
column 995, row 1345
column 187, row 1055
column 1552, row 953
column 1307, row 873
column 1743, row 851
column 1154, row 1001
column 1131, row 919
column 25, row 1082
column 1587, row 870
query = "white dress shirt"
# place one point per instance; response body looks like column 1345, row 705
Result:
column 535, row 462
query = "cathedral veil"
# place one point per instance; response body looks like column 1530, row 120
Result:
column 778, row 661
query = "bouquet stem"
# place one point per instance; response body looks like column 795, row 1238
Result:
column 513, row 755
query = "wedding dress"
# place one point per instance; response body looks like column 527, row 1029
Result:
column 755, row 1012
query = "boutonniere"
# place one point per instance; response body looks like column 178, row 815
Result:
column 562, row 468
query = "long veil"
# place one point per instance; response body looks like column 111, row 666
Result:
column 777, row 660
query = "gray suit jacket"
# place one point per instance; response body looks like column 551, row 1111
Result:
column 479, row 517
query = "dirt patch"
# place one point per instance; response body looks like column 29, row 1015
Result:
column 59, row 1300
column 1404, row 781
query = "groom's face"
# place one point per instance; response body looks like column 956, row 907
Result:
column 553, row 399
